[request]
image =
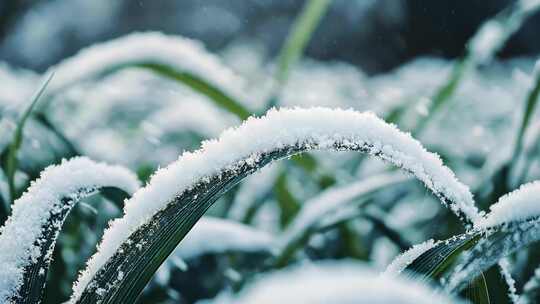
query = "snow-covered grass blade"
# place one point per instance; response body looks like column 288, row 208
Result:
column 29, row 235
column 159, row 215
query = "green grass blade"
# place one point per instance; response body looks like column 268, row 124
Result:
column 295, row 43
column 444, row 93
column 460, row 260
column 477, row 291
column 215, row 94
column 287, row 203
column 72, row 151
column 138, row 243
column 140, row 256
column 124, row 275
column 10, row 162
column 530, row 106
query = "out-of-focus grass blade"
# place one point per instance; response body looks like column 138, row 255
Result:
column 288, row 204
column 530, row 106
column 499, row 242
column 322, row 213
column 35, row 274
column 9, row 159
column 487, row 41
column 444, row 93
column 218, row 96
column 295, row 43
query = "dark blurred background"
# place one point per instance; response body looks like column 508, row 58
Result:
column 375, row 35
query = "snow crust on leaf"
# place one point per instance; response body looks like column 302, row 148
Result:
column 312, row 128
column 21, row 236
column 520, row 204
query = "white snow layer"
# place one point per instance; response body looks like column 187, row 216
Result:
column 406, row 258
column 313, row 128
column 180, row 53
column 333, row 282
column 215, row 235
column 520, row 204
column 34, row 209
